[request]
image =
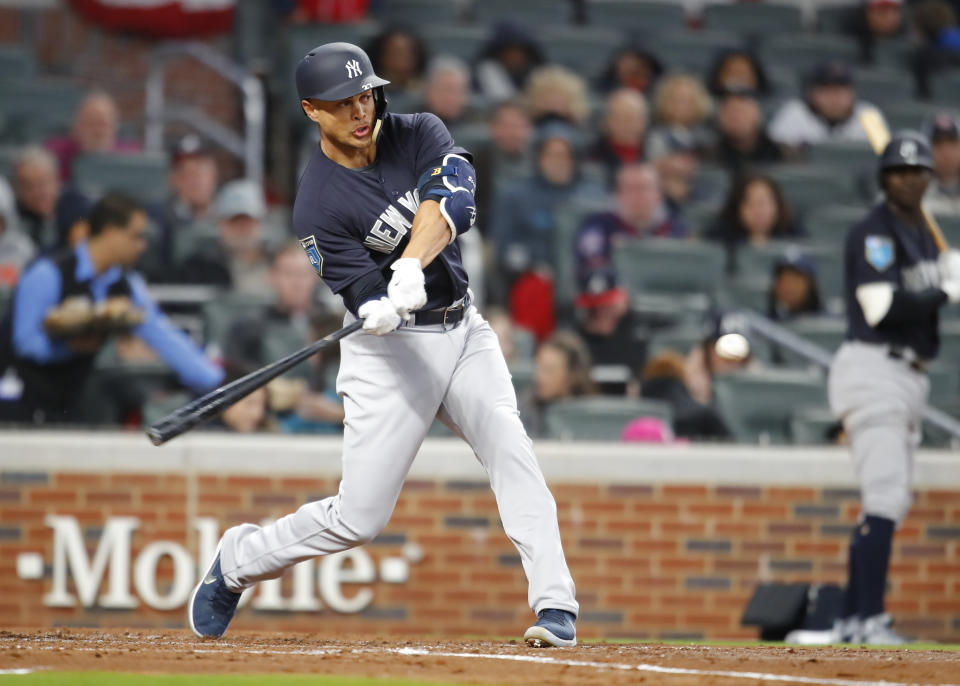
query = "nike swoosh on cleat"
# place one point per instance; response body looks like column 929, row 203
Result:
column 210, row 580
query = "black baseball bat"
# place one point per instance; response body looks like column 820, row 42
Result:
column 216, row 401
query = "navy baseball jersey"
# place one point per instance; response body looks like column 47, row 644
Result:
column 352, row 222
column 882, row 248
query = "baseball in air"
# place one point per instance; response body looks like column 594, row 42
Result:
column 733, row 346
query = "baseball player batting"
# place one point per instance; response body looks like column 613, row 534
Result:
column 896, row 283
column 378, row 212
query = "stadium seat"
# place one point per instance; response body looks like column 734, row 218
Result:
column 750, row 292
column 752, row 19
column 567, row 220
column 8, row 158
column 755, row 260
column 834, row 18
column 142, row 176
column 584, row 50
column 950, row 340
column 15, row 62
column 951, row 229
column 671, row 266
column 600, row 418
column 522, row 374
column 911, row 114
column 829, row 224
column 811, row 426
column 945, row 87
column 883, row 85
column 802, row 51
column 659, row 310
column 532, row 13
column 692, row 50
column 34, row 110
column 757, row 405
column 809, row 185
column 843, row 156
column 159, row 405
column 824, row 331
column 418, row 12
column 680, row 339
column 895, row 52
column 944, row 378
column 637, row 16
column 464, row 42
column 224, row 311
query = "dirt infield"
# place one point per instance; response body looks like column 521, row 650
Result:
column 472, row 661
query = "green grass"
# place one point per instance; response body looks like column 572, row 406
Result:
column 122, row 679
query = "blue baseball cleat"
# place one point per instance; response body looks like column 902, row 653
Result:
column 553, row 628
column 212, row 604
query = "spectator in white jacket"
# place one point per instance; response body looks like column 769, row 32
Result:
column 828, row 113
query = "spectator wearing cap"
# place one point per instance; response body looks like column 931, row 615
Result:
column 623, row 132
column 192, row 187
column 608, row 326
column 640, row 212
column 793, row 291
column 675, row 159
column 36, row 187
column 741, row 135
column 506, row 62
column 238, row 260
column 738, row 70
column 664, row 378
column 95, row 131
column 828, row 113
column 523, row 223
column 16, row 248
column 631, row 67
column 943, row 193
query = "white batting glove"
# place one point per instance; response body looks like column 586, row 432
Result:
column 952, row 289
column 949, row 263
column 406, row 289
column 379, row 316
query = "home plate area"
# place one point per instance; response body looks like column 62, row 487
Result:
column 472, row 661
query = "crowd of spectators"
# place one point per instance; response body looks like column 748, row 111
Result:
column 643, row 150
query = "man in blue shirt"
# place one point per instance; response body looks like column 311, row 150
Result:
column 68, row 303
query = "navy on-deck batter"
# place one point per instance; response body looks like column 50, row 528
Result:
column 360, row 219
column 881, row 247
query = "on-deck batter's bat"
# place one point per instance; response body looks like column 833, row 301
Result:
column 216, row 401
column 878, row 135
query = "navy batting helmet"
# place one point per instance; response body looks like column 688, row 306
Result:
column 907, row 149
column 336, row 71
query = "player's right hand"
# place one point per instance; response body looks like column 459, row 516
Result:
column 406, row 288
column 379, row 316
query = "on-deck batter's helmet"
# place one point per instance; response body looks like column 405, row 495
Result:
column 336, row 71
column 907, row 149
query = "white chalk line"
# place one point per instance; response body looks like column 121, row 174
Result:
column 645, row 667
column 17, row 672
column 621, row 666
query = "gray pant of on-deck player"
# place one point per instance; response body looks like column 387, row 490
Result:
column 393, row 387
column 881, row 402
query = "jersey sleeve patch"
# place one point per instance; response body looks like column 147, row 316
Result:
column 879, row 252
column 309, row 244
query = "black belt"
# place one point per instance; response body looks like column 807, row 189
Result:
column 447, row 317
column 917, row 364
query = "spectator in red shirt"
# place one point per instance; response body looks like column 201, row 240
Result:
column 94, row 131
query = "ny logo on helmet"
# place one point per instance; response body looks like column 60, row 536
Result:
column 908, row 151
column 353, row 69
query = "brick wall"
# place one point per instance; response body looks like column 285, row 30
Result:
column 650, row 560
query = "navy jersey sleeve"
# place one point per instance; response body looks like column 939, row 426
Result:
column 871, row 256
column 433, row 141
column 339, row 257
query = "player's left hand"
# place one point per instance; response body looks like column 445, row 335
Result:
column 406, row 288
column 949, row 263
